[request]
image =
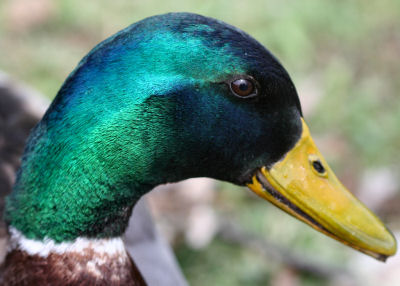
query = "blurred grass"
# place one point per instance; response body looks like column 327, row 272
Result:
column 349, row 51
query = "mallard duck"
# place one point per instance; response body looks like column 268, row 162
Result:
column 170, row 97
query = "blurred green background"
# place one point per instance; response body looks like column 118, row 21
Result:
column 344, row 57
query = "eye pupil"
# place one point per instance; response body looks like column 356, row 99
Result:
column 318, row 167
column 242, row 87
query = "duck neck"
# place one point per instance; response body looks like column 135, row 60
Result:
column 83, row 182
column 92, row 209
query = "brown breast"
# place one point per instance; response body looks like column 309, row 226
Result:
column 86, row 268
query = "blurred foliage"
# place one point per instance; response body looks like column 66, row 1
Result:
column 348, row 52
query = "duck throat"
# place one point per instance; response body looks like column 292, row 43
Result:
column 82, row 261
column 76, row 185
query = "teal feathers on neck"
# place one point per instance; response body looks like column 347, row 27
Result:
column 150, row 105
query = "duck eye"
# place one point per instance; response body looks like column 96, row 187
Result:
column 243, row 87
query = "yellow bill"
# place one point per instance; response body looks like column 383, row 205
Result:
column 303, row 185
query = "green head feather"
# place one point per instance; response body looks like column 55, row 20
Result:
column 150, row 105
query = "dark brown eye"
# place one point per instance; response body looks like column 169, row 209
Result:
column 243, row 87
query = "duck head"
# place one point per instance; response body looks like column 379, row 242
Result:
column 169, row 98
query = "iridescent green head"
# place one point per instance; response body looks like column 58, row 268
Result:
column 169, row 98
